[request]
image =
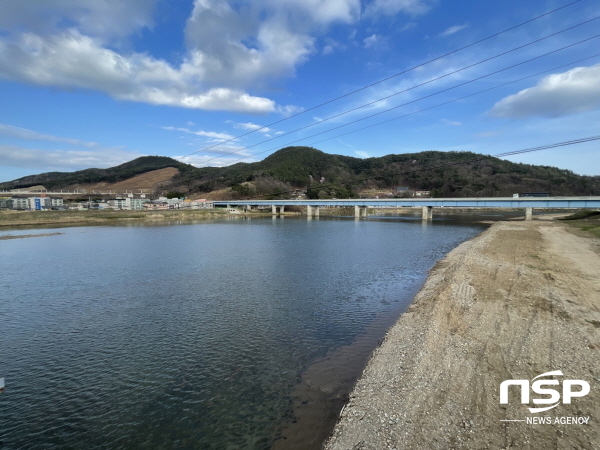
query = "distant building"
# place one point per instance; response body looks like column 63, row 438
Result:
column 154, row 206
column 56, row 202
column 197, row 204
column 39, row 203
column 203, row 204
column 135, row 204
column 401, row 189
column 117, row 203
column 5, row 203
column 422, row 193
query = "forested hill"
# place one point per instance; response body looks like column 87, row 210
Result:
column 63, row 180
column 445, row 174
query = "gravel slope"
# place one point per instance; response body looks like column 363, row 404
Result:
column 521, row 299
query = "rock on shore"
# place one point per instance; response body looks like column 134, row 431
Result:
column 521, row 299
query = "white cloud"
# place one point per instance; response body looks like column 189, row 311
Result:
column 289, row 110
column 408, row 26
column 370, row 41
column 53, row 160
column 453, row 123
column 80, row 45
column 106, row 19
column 331, row 45
column 452, row 30
column 228, row 149
column 204, row 160
column 249, row 126
column 261, row 39
column 362, row 154
column 208, row 134
column 319, row 11
column 248, row 50
column 571, row 92
column 73, row 60
column 85, row 45
column 392, row 7
column 24, row 133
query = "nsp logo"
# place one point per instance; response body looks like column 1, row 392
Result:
column 538, row 387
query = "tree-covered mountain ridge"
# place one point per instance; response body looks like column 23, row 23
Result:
column 323, row 175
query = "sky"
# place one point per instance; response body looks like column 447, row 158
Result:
column 96, row 83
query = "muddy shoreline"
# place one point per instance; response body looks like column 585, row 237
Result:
column 519, row 300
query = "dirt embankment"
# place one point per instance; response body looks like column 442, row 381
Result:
column 520, row 300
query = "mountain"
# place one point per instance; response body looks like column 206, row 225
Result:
column 64, row 180
column 445, row 174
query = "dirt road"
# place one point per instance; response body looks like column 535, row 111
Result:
column 520, row 300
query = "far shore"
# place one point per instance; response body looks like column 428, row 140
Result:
column 9, row 219
column 70, row 218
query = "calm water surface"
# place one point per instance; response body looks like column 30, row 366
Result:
column 195, row 335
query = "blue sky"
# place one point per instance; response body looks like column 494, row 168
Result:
column 96, row 83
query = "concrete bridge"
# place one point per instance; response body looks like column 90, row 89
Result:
column 427, row 204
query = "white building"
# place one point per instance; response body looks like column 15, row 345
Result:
column 117, row 203
column 39, row 203
column 197, row 204
column 135, row 203
column 20, row 203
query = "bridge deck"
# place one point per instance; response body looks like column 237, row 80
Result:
column 490, row 202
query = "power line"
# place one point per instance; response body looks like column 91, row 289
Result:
column 456, row 99
column 387, row 78
column 422, row 98
column 416, row 86
column 421, row 169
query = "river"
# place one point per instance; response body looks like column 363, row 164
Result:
column 197, row 335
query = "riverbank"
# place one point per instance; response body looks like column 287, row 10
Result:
column 24, row 236
column 519, row 300
column 70, row 218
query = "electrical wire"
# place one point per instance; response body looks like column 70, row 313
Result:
column 419, row 99
column 414, row 87
column 387, row 78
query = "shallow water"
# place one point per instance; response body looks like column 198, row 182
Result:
column 193, row 335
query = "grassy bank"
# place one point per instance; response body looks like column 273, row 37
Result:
column 585, row 221
column 28, row 218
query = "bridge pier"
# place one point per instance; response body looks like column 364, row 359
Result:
column 312, row 211
column 427, row 213
column 529, row 213
column 274, row 209
column 360, row 211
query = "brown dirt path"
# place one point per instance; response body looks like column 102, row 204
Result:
column 521, row 299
